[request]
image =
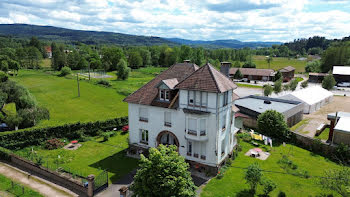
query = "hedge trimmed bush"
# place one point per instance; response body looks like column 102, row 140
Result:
column 5, row 154
column 36, row 136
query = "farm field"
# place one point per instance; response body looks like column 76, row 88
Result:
column 7, row 190
column 59, row 95
column 280, row 62
column 91, row 158
column 233, row 183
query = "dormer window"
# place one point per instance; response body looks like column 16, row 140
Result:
column 164, row 95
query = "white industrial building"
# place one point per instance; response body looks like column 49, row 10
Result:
column 313, row 97
column 189, row 107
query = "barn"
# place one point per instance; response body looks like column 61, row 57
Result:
column 313, row 97
column 341, row 73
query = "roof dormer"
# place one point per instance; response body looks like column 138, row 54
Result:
column 165, row 87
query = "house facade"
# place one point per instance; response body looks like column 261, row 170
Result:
column 189, row 107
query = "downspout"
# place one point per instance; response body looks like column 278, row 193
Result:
column 217, row 126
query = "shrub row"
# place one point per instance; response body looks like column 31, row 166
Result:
column 35, row 136
column 5, row 154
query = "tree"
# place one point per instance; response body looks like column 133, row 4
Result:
column 271, row 123
column 95, row 63
column 123, row 70
column 185, row 53
column 277, row 88
column 163, row 173
column 286, row 87
column 73, row 60
column 269, row 59
column 58, row 59
column 337, row 180
column 328, row 82
column 146, row 57
column 65, row 71
column 34, row 42
column 268, row 90
column 13, row 121
column 111, row 56
column 253, row 176
column 268, row 185
column 135, row 59
column 249, row 64
column 293, row 85
column 33, row 57
column 237, row 64
column 278, row 76
column 314, row 66
column 14, row 65
column 238, row 75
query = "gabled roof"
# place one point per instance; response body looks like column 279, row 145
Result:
column 287, row 69
column 253, row 71
column 310, row 95
column 147, row 93
column 171, row 83
column 341, row 70
column 207, row 79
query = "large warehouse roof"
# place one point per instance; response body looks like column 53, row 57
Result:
column 311, row 95
column 341, row 70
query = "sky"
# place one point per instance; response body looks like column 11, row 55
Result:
column 245, row 20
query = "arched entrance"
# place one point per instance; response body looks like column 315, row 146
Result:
column 167, row 138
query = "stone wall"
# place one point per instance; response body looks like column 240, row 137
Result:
column 311, row 143
column 52, row 176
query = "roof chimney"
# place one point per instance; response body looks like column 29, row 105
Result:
column 187, row 61
column 225, row 68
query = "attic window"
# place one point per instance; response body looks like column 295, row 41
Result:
column 164, row 95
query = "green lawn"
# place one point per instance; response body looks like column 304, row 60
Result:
column 324, row 135
column 92, row 157
column 233, row 183
column 5, row 186
column 280, row 62
column 10, row 109
column 248, row 85
column 59, row 95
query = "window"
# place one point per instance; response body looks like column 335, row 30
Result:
column 203, row 151
column 144, row 136
column 192, row 126
column 167, row 119
column 198, row 98
column 164, row 95
column 189, row 148
column 203, row 127
column 225, row 99
column 143, row 114
column 191, row 97
column 196, row 149
column 204, row 99
column 223, row 122
column 222, row 147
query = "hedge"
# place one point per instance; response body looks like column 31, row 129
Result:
column 36, row 136
column 5, row 154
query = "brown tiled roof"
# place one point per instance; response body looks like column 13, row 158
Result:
column 147, row 93
column 208, row 79
column 253, row 71
column 235, row 97
column 287, row 69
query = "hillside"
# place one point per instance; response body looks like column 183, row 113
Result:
column 222, row 43
column 73, row 36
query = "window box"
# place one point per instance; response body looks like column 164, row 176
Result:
column 203, row 133
column 195, row 155
column 191, row 132
column 203, row 157
column 143, row 119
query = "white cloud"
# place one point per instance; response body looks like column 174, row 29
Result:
column 248, row 20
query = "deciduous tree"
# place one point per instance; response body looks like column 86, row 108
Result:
column 271, row 123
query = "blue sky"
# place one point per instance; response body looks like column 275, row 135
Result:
column 246, row 20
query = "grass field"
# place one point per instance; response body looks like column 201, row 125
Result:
column 233, row 183
column 324, row 135
column 280, row 62
column 248, row 85
column 6, row 189
column 96, row 102
column 45, row 63
column 92, row 157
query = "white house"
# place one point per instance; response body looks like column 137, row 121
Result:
column 189, row 107
column 313, row 97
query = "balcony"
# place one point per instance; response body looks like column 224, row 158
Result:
column 195, row 135
column 142, row 119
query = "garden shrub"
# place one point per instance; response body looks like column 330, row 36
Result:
column 5, row 154
column 282, row 194
column 104, row 82
column 53, row 144
column 245, row 137
column 36, row 136
column 65, row 71
column 3, row 76
column 268, row 185
column 221, row 172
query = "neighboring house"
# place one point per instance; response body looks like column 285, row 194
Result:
column 250, row 73
column 341, row 73
column 252, row 106
column 339, row 130
column 313, row 97
column 317, row 77
column 287, row 73
column 48, row 51
column 189, row 107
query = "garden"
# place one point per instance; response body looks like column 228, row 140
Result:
column 294, row 171
column 10, row 188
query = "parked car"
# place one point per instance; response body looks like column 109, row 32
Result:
column 4, row 127
column 344, row 84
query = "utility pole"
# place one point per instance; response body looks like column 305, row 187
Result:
column 78, row 85
column 89, row 71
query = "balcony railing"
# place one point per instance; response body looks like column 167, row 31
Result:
column 203, row 133
column 167, row 124
column 192, row 132
column 142, row 119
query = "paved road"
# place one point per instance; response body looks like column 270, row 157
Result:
column 42, row 186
